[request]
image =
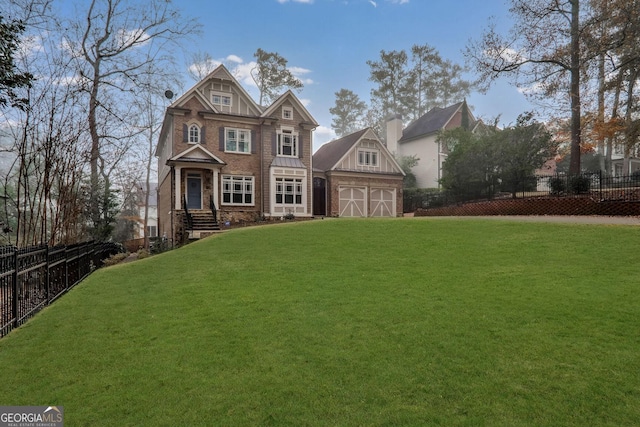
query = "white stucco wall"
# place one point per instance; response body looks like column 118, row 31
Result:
column 426, row 149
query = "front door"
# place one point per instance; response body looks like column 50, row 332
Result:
column 194, row 191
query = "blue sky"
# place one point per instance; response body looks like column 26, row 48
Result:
column 328, row 43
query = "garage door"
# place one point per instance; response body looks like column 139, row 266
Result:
column 383, row 202
column 353, row 201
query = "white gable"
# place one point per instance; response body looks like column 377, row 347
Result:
column 274, row 108
column 197, row 152
column 368, row 154
column 222, row 93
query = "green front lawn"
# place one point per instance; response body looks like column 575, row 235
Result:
column 348, row 322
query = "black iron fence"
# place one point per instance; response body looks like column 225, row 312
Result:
column 597, row 186
column 32, row 278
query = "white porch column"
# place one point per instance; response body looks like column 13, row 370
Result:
column 178, row 183
column 215, row 188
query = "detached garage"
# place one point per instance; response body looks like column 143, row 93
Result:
column 358, row 176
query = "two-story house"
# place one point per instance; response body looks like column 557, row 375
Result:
column 222, row 155
column 420, row 139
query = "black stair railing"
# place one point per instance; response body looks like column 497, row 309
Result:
column 187, row 214
column 214, row 211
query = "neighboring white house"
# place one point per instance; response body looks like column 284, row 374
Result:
column 420, row 139
column 152, row 220
column 618, row 161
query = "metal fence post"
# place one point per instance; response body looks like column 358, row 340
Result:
column 66, row 268
column 16, row 288
column 47, row 275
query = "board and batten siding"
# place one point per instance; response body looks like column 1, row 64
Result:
column 350, row 161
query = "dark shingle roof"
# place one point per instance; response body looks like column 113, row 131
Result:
column 431, row 122
column 328, row 155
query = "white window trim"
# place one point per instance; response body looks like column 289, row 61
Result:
column 363, row 154
column 198, row 136
column 288, row 110
column 295, row 147
column 244, row 180
column 238, row 131
column 222, row 96
column 298, row 189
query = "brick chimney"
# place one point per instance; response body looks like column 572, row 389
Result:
column 394, row 132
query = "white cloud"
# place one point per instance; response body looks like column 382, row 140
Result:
column 533, row 89
column 242, row 72
column 299, row 72
column 322, row 135
column 305, row 102
column 132, row 37
column 235, row 58
column 398, row 1
column 506, row 54
column 374, row 4
column 295, row 1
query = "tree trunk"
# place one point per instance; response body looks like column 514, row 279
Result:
column 574, row 166
column 600, row 119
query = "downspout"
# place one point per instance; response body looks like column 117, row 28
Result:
column 173, row 204
column 261, row 170
column 438, row 165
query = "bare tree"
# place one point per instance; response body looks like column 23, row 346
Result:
column 117, row 43
column 200, row 65
column 544, row 49
column 45, row 143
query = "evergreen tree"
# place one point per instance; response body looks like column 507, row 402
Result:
column 272, row 76
column 10, row 78
column 347, row 112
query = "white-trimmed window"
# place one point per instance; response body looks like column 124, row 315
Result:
column 194, row 134
column 289, row 191
column 287, row 113
column 221, row 99
column 287, row 143
column 237, row 190
column 237, row 140
column 367, row 158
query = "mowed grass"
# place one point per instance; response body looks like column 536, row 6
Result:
column 348, row 322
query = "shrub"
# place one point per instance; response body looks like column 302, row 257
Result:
column 557, row 185
column 579, row 184
column 115, row 259
column 143, row 253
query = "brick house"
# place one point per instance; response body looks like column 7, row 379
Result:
column 222, row 157
column 356, row 176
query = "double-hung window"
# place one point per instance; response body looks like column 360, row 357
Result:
column 237, row 140
column 287, row 143
column 289, row 191
column 237, row 190
column 367, row 158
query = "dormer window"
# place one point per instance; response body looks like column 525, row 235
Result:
column 221, row 99
column 368, row 158
column 194, row 134
column 287, row 143
column 287, row 113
